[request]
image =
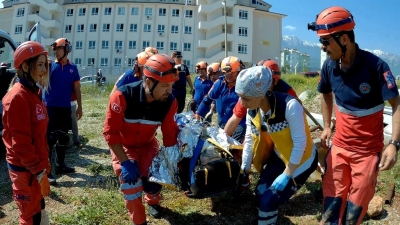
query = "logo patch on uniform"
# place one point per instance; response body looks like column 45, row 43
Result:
column 116, row 108
column 71, row 70
column 39, row 112
column 389, row 79
column 365, row 88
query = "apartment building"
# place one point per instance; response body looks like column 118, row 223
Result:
column 293, row 61
column 109, row 34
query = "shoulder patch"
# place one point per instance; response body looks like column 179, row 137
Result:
column 390, row 82
column 116, row 108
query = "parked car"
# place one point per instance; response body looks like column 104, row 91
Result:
column 91, row 79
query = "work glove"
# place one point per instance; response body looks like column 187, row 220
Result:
column 130, row 172
column 44, row 183
column 280, row 182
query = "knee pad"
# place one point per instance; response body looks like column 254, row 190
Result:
column 150, row 187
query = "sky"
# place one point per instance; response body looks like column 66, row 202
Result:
column 377, row 21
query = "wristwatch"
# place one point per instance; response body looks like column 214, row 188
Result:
column 395, row 143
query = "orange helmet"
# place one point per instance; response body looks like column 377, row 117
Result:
column 151, row 50
column 333, row 20
column 201, row 65
column 273, row 66
column 214, row 67
column 62, row 42
column 161, row 67
column 27, row 50
column 231, row 64
column 143, row 57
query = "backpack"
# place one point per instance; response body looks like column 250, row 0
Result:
column 212, row 170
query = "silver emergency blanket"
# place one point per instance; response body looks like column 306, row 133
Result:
column 164, row 168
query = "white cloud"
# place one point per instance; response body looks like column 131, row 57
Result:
column 291, row 28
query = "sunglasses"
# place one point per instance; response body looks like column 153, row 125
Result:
column 327, row 41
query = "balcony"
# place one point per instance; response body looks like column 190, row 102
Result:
column 205, row 9
column 207, row 25
column 44, row 41
column 48, row 5
column 217, row 57
column 215, row 40
column 48, row 24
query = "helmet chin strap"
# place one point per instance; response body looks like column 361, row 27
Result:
column 152, row 89
column 342, row 47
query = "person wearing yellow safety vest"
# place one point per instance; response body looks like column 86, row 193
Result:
column 277, row 117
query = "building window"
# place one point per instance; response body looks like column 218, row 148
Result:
column 18, row 29
column 133, row 27
column 161, row 28
column 186, row 62
column 188, row 30
column 243, row 14
column 95, row 11
column 121, row 10
column 82, row 11
column 187, row 46
column 176, row 1
column 132, row 44
column 21, row 12
column 243, row 31
column 78, row 45
column 90, row 61
column 68, row 28
column 93, row 27
column 148, row 11
column 160, row 45
column 117, row 62
column 120, row 27
column 173, row 46
column 81, row 28
column 135, row 11
column 106, row 27
column 147, row 28
column 104, row 44
column 174, row 29
column 118, row 45
column 175, row 12
column 146, row 44
column 162, row 12
column 104, row 62
column 78, row 61
column 92, row 44
column 70, row 12
column 107, row 11
column 242, row 49
column 189, row 13
column 131, row 61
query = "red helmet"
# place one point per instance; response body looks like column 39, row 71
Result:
column 201, row 65
column 152, row 50
column 231, row 64
column 333, row 20
column 161, row 67
column 27, row 50
column 273, row 66
column 62, row 42
column 143, row 57
column 213, row 68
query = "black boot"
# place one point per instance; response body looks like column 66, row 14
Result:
column 61, row 167
column 154, row 211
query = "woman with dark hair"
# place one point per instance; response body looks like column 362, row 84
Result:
column 25, row 123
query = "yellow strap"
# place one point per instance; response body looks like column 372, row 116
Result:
column 236, row 147
column 228, row 164
column 212, row 141
column 205, row 175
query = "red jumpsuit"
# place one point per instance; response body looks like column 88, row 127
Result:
column 24, row 135
column 133, row 122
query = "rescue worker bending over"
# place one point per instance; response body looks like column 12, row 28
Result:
column 134, row 113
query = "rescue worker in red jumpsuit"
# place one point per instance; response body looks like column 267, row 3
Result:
column 25, row 123
column 361, row 82
column 134, row 113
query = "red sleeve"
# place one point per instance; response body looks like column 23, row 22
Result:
column 114, row 118
column 169, row 128
column 292, row 93
column 239, row 110
column 18, row 118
